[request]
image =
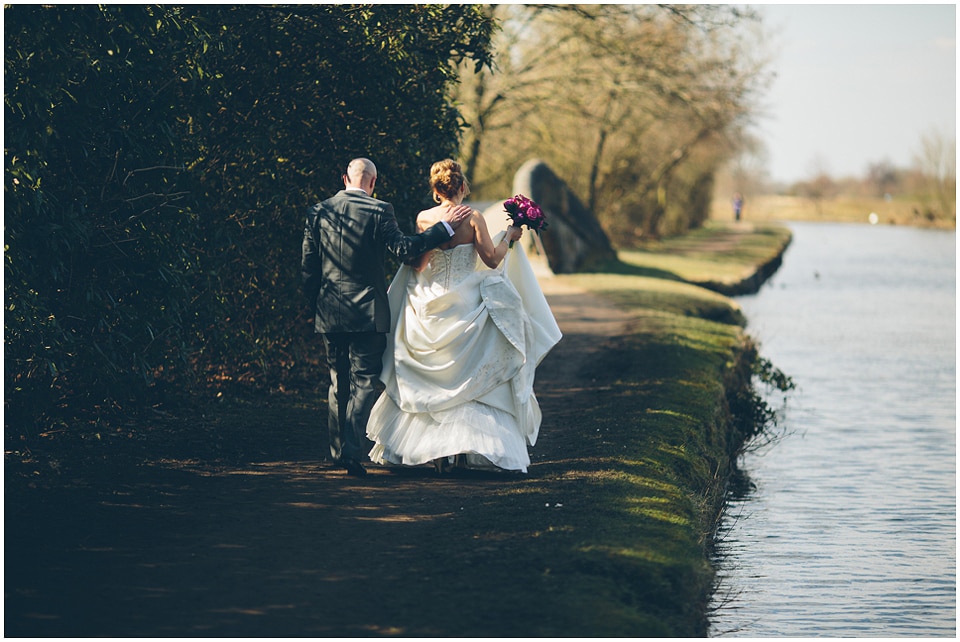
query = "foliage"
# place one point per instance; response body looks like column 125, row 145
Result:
column 157, row 163
column 636, row 106
column 757, row 422
column 935, row 175
column 99, row 229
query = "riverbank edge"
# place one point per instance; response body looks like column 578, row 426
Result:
column 750, row 284
column 738, row 383
column 726, row 421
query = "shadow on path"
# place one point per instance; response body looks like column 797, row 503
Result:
column 273, row 541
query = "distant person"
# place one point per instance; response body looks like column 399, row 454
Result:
column 737, row 205
column 344, row 246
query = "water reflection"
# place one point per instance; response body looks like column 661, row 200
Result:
column 850, row 529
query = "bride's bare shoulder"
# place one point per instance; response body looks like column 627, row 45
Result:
column 429, row 217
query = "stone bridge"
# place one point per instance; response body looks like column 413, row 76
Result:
column 573, row 240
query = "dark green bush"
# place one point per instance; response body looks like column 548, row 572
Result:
column 158, row 162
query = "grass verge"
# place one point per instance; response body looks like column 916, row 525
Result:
column 655, row 464
column 673, row 405
column 729, row 258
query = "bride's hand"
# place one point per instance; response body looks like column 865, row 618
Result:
column 514, row 233
column 457, row 215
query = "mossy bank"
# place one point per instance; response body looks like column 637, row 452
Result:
column 674, row 404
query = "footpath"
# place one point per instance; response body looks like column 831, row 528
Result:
column 226, row 521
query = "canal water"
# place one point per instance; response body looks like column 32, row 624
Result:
column 847, row 527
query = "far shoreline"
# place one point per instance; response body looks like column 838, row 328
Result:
column 773, row 208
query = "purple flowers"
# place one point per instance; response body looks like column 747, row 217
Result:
column 523, row 211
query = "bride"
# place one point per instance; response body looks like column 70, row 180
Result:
column 470, row 325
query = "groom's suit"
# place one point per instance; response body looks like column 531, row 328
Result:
column 344, row 247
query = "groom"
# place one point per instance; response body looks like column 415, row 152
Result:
column 344, row 246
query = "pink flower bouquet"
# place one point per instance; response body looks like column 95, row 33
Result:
column 523, row 211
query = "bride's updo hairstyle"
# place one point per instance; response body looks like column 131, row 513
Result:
column 447, row 179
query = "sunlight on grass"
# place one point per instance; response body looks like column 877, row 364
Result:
column 686, row 267
column 718, row 252
column 663, row 516
column 660, row 298
column 646, row 554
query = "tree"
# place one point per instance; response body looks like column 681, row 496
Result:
column 317, row 86
column 882, row 177
column 746, row 171
column 820, row 186
column 158, row 161
column 621, row 100
column 936, row 163
column 99, row 223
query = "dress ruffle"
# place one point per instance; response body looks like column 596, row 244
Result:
column 460, row 363
column 471, row 428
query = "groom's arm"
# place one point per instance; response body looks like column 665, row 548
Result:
column 406, row 248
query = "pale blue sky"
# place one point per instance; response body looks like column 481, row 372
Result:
column 856, row 84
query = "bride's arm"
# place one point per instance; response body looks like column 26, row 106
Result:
column 490, row 254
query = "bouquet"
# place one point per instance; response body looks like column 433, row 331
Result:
column 523, row 211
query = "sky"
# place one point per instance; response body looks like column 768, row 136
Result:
column 856, row 85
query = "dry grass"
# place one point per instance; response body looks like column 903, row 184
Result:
column 844, row 209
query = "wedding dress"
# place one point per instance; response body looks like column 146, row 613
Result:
column 460, row 362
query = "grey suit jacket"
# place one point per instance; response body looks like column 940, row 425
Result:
column 345, row 241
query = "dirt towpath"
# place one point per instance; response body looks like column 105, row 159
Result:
column 252, row 533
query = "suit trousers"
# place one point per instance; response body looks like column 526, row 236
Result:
column 355, row 360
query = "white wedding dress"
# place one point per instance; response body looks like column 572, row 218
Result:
column 460, row 363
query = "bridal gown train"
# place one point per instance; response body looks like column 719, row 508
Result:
column 460, row 363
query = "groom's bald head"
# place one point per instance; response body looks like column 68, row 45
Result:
column 362, row 173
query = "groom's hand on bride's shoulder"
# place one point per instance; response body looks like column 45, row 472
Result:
column 457, row 215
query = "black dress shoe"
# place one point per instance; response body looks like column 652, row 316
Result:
column 354, row 468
